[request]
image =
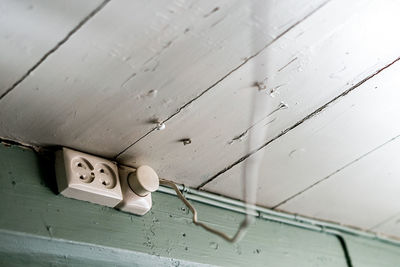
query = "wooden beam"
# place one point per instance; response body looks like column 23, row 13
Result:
column 23, row 249
column 32, row 213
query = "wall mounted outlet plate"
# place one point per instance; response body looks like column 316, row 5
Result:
column 86, row 177
column 133, row 202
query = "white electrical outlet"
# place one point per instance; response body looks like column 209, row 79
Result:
column 137, row 185
column 86, row 177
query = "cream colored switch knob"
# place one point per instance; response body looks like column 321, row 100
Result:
column 143, row 181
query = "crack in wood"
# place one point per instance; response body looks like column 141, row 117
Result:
column 128, row 79
column 54, row 49
column 161, row 51
column 240, row 137
column 211, row 12
column 287, row 64
column 309, row 116
column 244, row 134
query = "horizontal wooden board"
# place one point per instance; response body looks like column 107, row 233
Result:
column 22, row 249
column 29, row 205
column 350, row 144
column 29, row 29
column 136, row 62
column 318, row 60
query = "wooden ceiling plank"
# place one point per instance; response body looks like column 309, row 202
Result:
column 31, row 29
column 309, row 66
column 136, row 62
column 364, row 194
column 338, row 166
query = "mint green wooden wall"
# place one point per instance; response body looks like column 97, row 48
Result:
column 39, row 227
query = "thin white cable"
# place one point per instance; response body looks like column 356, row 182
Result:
column 256, row 134
column 249, row 179
column 236, row 237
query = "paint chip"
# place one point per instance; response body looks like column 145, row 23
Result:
column 261, row 85
column 211, row 12
column 186, row 141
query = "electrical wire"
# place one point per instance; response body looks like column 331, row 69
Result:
column 236, row 237
column 247, row 222
column 256, row 135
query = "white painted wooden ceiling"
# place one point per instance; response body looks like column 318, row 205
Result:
column 319, row 77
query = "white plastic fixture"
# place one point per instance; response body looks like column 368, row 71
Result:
column 86, row 177
column 137, row 185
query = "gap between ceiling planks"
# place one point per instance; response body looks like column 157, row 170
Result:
column 311, row 115
column 223, row 78
column 58, row 45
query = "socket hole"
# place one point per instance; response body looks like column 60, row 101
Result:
column 105, row 175
column 79, row 164
column 86, row 177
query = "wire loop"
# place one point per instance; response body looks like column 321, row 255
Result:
column 236, row 237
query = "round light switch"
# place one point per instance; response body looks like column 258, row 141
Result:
column 143, row 181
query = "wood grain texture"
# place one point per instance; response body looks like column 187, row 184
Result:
column 29, row 29
column 313, row 63
column 136, row 62
column 22, row 249
column 338, row 165
column 29, row 206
